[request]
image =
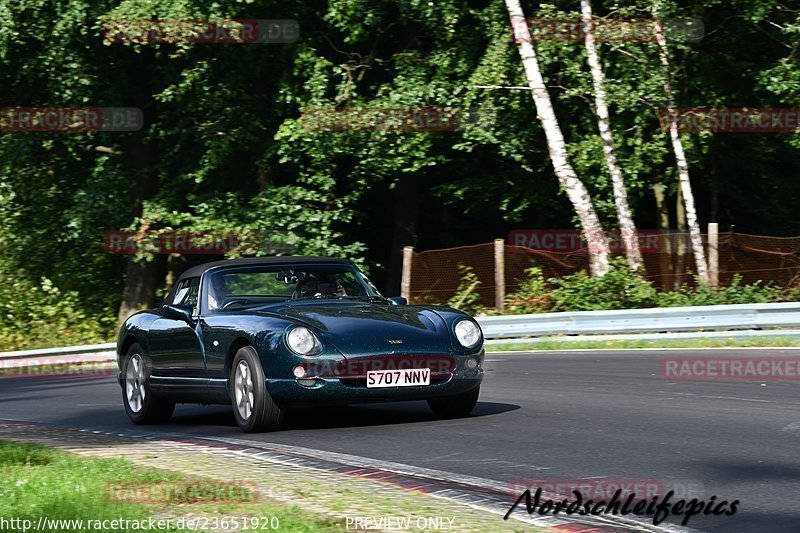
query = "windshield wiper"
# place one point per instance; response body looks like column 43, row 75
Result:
column 373, row 299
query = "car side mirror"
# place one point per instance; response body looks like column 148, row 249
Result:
column 178, row 312
column 398, row 300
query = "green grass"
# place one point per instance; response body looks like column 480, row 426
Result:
column 39, row 481
column 719, row 342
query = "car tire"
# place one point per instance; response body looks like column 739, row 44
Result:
column 455, row 406
column 254, row 408
column 141, row 405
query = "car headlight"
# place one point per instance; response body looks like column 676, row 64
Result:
column 468, row 333
column 302, row 341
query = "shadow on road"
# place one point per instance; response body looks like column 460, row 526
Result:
column 337, row 417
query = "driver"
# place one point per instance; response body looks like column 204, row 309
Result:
column 309, row 287
column 217, row 291
column 312, row 286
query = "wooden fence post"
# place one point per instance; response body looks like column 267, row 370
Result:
column 499, row 274
column 405, row 280
column 713, row 254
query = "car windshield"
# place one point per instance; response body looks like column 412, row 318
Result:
column 253, row 286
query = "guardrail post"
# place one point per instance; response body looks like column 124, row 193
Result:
column 713, row 254
column 499, row 274
column 405, row 280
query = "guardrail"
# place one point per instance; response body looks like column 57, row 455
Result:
column 658, row 320
column 699, row 318
column 96, row 351
column 745, row 320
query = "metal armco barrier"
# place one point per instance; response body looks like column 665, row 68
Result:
column 669, row 319
column 95, row 351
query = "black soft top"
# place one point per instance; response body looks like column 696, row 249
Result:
column 197, row 271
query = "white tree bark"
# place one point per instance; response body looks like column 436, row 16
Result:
column 624, row 217
column 572, row 185
column 695, row 237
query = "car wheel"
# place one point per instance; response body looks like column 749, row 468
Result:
column 254, row 408
column 455, row 406
column 141, row 405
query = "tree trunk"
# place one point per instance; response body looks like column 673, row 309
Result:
column 680, row 218
column 141, row 278
column 576, row 191
column 696, row 237
column 624, row 217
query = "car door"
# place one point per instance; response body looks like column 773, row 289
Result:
column 175, row 347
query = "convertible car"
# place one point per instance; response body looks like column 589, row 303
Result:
column 269, row 334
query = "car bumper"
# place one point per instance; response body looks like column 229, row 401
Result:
column 343, row 391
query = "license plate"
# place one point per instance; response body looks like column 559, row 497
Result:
column 406, row 377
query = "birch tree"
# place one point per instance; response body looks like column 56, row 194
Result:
column 575, row 189
column 695, row 237
column 620, row 191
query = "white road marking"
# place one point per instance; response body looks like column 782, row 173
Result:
column 722, row 397
column 794, row 427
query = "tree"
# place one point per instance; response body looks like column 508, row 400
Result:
column 620, row 191
column 695, row 236
column 575, row 189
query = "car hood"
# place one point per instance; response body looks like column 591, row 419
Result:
column 362, row 328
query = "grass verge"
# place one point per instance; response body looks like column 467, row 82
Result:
column 38, row 481
column 720, row 342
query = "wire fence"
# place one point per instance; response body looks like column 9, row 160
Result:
column 435, row 275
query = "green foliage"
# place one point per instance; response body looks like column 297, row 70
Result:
column 735, row 293
column 37, row 315
column 622, row 289
column 467, row 298
column 532, row 296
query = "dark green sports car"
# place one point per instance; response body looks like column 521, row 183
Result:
column 267, row 334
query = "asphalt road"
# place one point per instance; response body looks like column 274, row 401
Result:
column 543, row 416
